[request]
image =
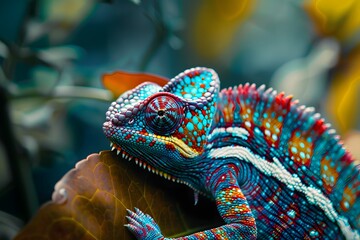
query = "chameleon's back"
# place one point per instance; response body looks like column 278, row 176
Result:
column 301, row 181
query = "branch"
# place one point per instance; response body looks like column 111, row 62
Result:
column 65, row 92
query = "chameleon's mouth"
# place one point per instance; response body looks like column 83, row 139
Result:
column 185, row 150
column 142, row 164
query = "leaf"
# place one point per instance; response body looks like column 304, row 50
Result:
column 216, row 24
column 333, row 19
column 121, row 81
column 343, row 100
column 65, row 16
column 90, row 202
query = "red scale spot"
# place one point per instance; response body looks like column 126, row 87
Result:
column 170, row 146
column 140, row 139
column 283, row 101
column 143, row 132
column 319, row 126
column 152, row 143
column 201, row 132
column 179, row 135
column 128, row 136
column 347, row 159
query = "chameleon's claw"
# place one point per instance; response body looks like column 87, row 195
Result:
column 142, row 225
column 133, row 222
column 129, row 212
column 138, row 212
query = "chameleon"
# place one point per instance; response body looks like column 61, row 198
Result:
column 275, row 168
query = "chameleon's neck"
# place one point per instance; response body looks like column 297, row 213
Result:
column 227, row 127
column 228, row 110
column 227, row 130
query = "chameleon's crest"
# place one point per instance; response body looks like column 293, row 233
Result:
column 198, row 88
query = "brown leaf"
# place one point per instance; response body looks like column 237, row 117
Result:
column 90, row 202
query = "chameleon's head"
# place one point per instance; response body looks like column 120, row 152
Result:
column 164, row 128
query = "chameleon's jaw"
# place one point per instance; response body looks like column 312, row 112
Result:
column 120, row 146
column 173, row 142
column 143, row 164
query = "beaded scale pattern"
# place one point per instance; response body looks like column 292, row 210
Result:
column 273, row 167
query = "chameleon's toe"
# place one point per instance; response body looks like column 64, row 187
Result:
column 142, row 225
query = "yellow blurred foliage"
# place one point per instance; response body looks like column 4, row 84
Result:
column 216, row 23
column 65, row 15
column 343, row 100
column 339, row 19
column 68, row 12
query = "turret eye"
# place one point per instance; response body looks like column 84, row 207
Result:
column 163, row 114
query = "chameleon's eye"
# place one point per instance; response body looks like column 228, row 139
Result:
column 163, row 115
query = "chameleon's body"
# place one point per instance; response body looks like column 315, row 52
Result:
column 274, row 168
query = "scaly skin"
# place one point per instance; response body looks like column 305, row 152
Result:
column 274, row 168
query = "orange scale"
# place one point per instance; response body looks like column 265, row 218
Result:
column 228, row 113
column 300, row 150
column 348, row 198
column 272, row 130
column 170, row 146
column 329, row 175
column 247, row 115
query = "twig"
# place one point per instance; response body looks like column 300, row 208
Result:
column 66, row 92
column 159, row 38
column 20, row 168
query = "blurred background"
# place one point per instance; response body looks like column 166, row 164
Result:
column 54, row 52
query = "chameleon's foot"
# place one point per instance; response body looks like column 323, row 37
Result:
column 142, row 225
